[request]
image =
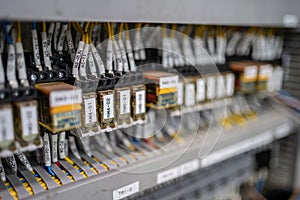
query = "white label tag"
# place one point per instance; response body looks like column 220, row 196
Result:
column 118, row 56
column 189, row 167
column 90, row 110
column 126, row 190
column 250, row 71
column 211, row 87
column 45, row 48
column 200, row 90
column 78, row 55
column 11, row 63
column 124, row 102
column 35, row 45
column 130, row 55
column 265, row 71
column 168, row 82
column 189, row 94
column 6, row 124
column 109, row 56
column 61, row 38
column 123, row 54
column 180, row 93
column 46, row 150
column 140, row 105
column 167, row 175
column 53, row 141
column 84, row 56
column 70, row 45
column 21, row 61
column 29, row 120
column 108, row 106
column 66, row 97
column 101, row 67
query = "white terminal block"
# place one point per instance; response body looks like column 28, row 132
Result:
column 211, row 87
column 200, row 90
column 189, row 99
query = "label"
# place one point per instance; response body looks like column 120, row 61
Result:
column 36, row 50
column 84, row 57
column 189, row 94
column 67, row 97
column 250, row 71
column 47, row 152
column 21, row 61
column 77, row 58
column 29, row 120
column 124, row 102
column 101, row 67
column 123, row 54
column 109, row 56
column 126, row 190
column 62, row 145
column 108, row 106
column 167, row 175
column 118, row 56
column 6, row 124
column 130, row 55
column 70, row 45
column 61, row 39
column 168, row 82
column 53, row 140
column 45, row 47
column 50, row 35
column 90, row 110
column 11, row 63
column 230, row 84
column 180, row 93
column 200, row 96
column 211, row 87
column 140, row 99
column 283, row 130
column 189, row 167
column 265, row 71
column 92, row 65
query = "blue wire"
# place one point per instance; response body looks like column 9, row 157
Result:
column 49, row 170
column 9, row 41
column 136, row 141
column 33, row 25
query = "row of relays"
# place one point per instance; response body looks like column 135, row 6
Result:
column 70, row 92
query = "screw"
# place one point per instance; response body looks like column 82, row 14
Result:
column 33, row 77
column 60, row 75
column 42, row 76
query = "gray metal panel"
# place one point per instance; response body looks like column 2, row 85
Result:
column 236, row 12
column 102, row 185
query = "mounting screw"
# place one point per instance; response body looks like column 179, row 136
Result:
column 60, row 75
column 33, row 77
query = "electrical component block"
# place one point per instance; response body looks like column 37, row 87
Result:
column 161, row 89
column 60, row 106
